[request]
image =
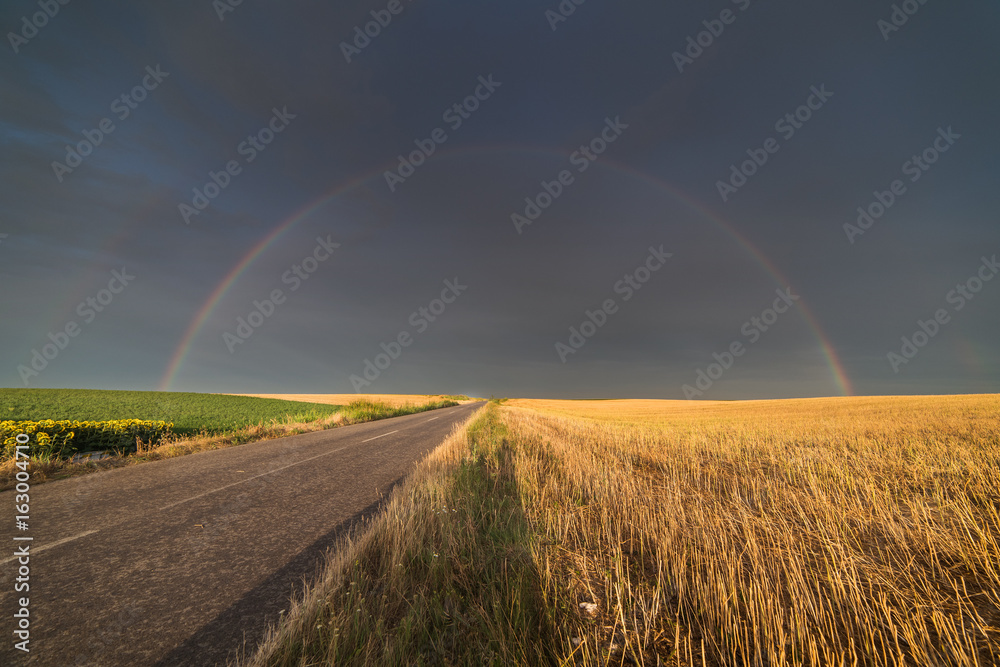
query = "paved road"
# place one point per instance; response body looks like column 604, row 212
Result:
column 176, row 562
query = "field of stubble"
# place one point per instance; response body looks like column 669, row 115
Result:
column 823, row 531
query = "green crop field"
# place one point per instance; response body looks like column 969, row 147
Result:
column 189, row 412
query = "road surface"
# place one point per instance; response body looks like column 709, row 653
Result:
column 178, row 562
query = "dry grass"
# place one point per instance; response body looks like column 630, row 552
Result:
column 858, row 531
column 443, row 575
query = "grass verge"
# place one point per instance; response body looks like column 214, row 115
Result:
column 49, row 468
column 443, row 575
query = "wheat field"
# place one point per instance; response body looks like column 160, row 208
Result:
column 846, row 531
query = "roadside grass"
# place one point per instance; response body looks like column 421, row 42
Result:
column 47, row 468
column 850, row 531
column 190, row 413
column 444, row 575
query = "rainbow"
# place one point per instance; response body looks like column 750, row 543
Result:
column 177, row 360
column 837, row 371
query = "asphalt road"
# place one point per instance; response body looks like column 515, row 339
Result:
column 178, row 562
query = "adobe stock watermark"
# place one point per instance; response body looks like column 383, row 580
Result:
column 714, row 28
column 122, row 107
column 787, row 126
column 629, row 284
column 295, row 277
column 223, row 7
column 249, row 148
column 915, row 167
column 581, row 159
column 87, row 309
column 420, row 320
column 899, row 17
column 372, row 29
column 562, row 12
column 22, row 554
column 38, row 20
column 753, row 329
column 957, row 298
column 455, row 116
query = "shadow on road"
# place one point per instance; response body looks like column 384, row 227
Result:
column 242, row 625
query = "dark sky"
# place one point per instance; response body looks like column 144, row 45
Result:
column 745, row 158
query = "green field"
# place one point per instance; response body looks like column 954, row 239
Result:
column 189, row 412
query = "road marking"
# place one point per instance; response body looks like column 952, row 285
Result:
column 433, row 418
column 381, row 436
column 35, row 550
column 269, row 472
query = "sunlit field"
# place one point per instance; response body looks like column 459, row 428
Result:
column 823, row 531
column 841, row 531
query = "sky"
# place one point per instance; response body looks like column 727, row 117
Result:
column 581, row 199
